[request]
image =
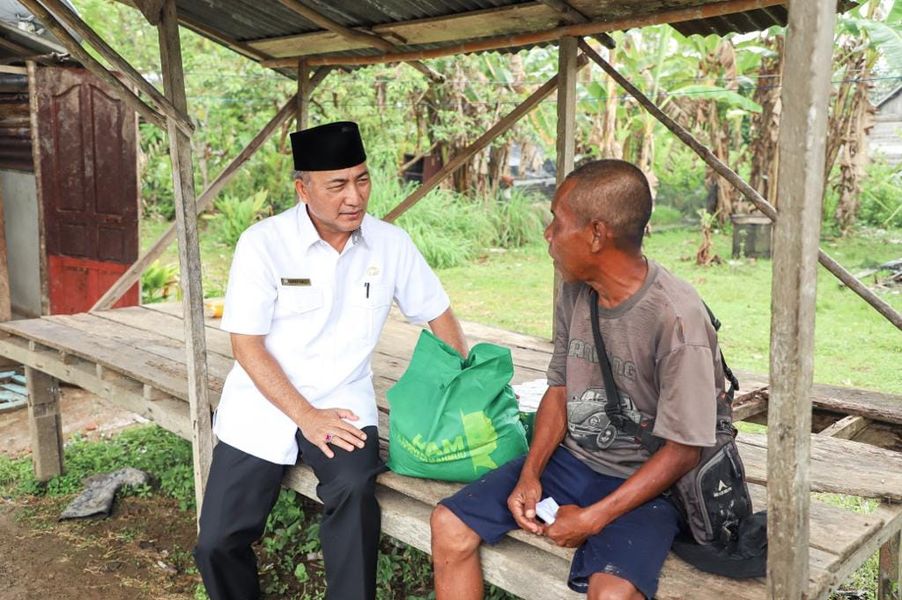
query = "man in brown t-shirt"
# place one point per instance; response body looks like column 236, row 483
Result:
column 666, row 365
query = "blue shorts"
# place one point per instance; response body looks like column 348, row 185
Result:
column 632, row 547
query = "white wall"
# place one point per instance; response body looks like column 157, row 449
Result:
column 20, row 208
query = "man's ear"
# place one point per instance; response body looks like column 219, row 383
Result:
column 599, row 234
column 301, row 190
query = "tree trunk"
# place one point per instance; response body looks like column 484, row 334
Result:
column 763, row 150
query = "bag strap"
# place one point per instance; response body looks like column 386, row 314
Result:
column 613, row 407
column 728, row 372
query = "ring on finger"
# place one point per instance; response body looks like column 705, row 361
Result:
column 328, row 437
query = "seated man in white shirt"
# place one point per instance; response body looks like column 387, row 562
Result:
column 309, row 292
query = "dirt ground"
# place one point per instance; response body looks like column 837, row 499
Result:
column 142, row 551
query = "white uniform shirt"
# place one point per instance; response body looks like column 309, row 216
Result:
column 321, row 312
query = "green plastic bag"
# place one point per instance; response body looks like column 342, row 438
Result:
column 454, row 419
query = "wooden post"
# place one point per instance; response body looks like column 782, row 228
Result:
column 303, row 95
column 508, row 121
column 889, row 577
column 803, row 127
column 133, row 273
column 566, row 131
column 45, row 424
column 6, row 311
column 189, row 252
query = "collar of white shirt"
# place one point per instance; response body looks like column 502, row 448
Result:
column 308, row 235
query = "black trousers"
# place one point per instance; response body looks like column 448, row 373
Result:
column 241, row 492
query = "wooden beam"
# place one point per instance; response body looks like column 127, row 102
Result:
column 189, row 252
column 90, row 63
column 240, row 47
column 740, row 184
column 151, row 9
column 484, row 140
column 44, row 424
column 68, row 17
column 204, row 202
column 846, row 428
column 803, row 130
column 303, row 95
column 572, row 15
column 360, row 36
column 538, row 37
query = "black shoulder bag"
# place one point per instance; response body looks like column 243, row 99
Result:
column 713, row 497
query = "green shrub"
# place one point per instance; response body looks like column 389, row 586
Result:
column 162, row 454
column 664, row 214
column 158, row 282
column 517, row 220
column 681, row 181
column 237, row 214
column 881, row 195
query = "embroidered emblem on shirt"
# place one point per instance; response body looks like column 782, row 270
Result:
column 373, row 271
column 295, row 282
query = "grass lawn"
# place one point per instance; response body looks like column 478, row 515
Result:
column 854, row 345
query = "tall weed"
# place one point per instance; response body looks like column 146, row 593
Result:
column 237, row 214
column 450, row 228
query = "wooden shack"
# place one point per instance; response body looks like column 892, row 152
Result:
column 68, row 176
column 885, row 137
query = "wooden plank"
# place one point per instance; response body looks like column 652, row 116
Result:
column 846, row 428
column 889, row 569
column 148, row 341
column 167, row 375
column 168, row 325
column 204, row 202
column 189, row 251
column 45, row 424
column 355, row 36
column 484, row 140
column 169, row 413
column 750, row 404
column 891, row 518
column 482, row 23
column 530, row 35
column 838, row 466
column 806, row 90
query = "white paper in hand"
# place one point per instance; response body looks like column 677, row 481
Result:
column 547, row 510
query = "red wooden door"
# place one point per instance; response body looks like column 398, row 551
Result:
column 88, row 188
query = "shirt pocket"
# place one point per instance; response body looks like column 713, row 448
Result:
column 369, row 308
column 297, row 300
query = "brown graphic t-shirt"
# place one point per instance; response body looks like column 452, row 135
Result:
column 665, row 360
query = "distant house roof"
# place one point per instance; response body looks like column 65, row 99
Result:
column 889, row 96
column 22, row 37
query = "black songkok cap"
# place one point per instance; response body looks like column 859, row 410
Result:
column 327, row 147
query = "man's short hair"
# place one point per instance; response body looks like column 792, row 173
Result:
column 303, row 175
column 615, row 192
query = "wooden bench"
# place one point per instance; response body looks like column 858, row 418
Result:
column 135, row 358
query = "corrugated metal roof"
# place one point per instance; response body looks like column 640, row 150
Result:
column 249, row 21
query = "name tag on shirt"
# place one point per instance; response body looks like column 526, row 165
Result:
column 300, row 282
